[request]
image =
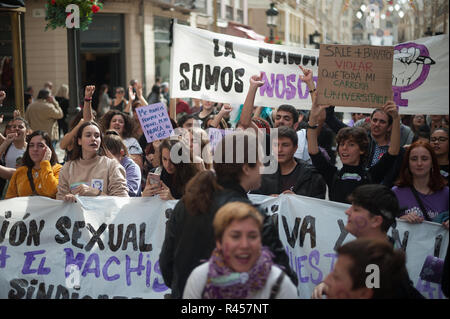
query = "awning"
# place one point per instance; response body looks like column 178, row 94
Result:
column 251, row 34
column 243, row 31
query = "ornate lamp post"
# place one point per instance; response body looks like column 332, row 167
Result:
column 313, row 37
column 272, row 17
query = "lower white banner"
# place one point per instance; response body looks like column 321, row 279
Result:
column 109, row 247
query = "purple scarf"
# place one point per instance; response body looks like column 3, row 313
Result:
column 223, row 283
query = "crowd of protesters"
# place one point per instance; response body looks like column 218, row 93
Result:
column 385, row 165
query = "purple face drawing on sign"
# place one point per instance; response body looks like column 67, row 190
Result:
column 412, row 63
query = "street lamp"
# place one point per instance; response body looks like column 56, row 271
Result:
column 272, row 16
column 312, row 39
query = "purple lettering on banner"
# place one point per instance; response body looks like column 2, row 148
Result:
column 3, row 256
column 106, row 266
column 440, row 293
column 333, row 257
column 290, row 91
column 29, row 258
column 96, row 270
column 157, row 286
column 300, row 91
column 148, row 272
column 267, row 88
column 289, row 253
column 78, row 260
column 316, row 256
column 299, row 267
column 424, row 286
column 280, row 78
column 129, row 270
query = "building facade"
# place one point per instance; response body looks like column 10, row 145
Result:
column 128, row 39
column 298, row 19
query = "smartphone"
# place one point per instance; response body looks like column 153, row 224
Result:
column 153, row 178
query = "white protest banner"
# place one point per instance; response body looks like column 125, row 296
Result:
column 310, row 230
column 108, row 247
column 155, row 121
column 218, row 67
column 97, row 248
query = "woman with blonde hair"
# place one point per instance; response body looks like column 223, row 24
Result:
column 240, row 266
column 189, row 236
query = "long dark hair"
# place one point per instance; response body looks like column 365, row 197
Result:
column 27, row 161
column 185, row 170
column 76, row 151
column 129, row 124
column 406, row 179
column 229, row 161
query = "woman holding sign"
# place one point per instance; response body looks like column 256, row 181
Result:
column 240, row 266
column 124, row 125
column 89, row 172
column 352, row 147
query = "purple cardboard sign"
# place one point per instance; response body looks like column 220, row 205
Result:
column 155, row 121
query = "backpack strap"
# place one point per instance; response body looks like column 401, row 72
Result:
column 422, row 207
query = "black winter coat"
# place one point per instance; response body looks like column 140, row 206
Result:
column 391, row 175
column 309, row 182
column 189, row 240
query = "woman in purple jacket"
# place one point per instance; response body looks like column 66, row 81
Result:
column 421, row 190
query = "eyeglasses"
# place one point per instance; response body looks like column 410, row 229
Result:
column 440, row 139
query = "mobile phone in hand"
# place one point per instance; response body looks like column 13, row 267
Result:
column 153, row 178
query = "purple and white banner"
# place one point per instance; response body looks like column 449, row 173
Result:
column 108, row 247
column 218, row 67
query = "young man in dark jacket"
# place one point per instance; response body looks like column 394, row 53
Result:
column 293, row 176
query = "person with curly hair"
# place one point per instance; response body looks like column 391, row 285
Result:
column 124, row 124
